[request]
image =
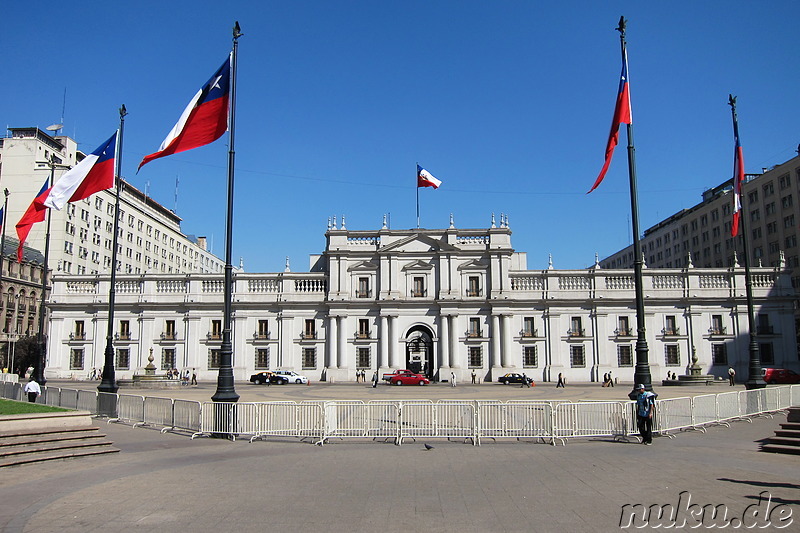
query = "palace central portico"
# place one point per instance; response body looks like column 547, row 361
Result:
column 436, row 301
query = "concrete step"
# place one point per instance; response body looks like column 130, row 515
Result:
column 52, row 455
column 52, row 436
column 23, row 432
column 784, row 441
column 791, row 425
column 777, row 448
column 34, row 448
column 788, row 433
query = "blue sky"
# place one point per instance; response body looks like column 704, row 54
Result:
column 509, row 103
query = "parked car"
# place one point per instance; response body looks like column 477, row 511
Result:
column 291, row 376
column 513, row 377
column 408, row 378
column 260, row 378
column 780, row 375
column 389, row 375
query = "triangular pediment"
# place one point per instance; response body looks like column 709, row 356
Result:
column 474, row 264
column 363, row 266
column 418, row 265
column 418, row 243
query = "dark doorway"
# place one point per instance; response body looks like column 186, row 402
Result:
column 419, row 351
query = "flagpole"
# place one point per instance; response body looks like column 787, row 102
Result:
column 754, row 380
column 641, row 374
column 3, row 236
column 225, row 383
column 416, row 183
column 38, row 372
column 109, row 382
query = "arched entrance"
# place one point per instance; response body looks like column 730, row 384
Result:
column 419, row 351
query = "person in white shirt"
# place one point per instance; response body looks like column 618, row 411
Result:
column 33, row 390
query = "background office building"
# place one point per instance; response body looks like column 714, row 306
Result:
column 150, row 237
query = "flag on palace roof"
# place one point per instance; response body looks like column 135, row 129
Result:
column 738, row 180
column 94, row 174
column 35, row 213
column 622, row 115
column 203, row 121
column 426, row 179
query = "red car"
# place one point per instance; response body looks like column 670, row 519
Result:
column 409, row 378
column 780, row 375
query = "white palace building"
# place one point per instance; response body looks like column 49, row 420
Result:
column 435, row 301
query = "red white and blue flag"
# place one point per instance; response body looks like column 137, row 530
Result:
column 622, row 115
column 35, row 213
column 426, row 179
column 738, row 180
column 94, row 174
column 203, row 121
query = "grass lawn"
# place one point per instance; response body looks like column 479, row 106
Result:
column 11, row 407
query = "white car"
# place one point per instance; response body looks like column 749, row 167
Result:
column 291, row 376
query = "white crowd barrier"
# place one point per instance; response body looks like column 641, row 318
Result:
column 553, row 421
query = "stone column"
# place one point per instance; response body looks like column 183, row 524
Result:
column 341, row 351
column 394, row 359
column 330, row 355
column 505, row 350
column 444, row 341
column 383, row 343
column 495, row 341
column 452, row 343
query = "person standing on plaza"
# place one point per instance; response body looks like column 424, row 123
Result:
column 375, row 379
column 33, row 390
column 731, row 376
column 645, row 405
column 560, row 381
column 605, row 379
column 474, row 375
column 452, row 379
column 194, row 376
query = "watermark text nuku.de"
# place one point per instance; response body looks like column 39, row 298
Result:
column 691, row 515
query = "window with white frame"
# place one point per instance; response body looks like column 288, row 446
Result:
column 624, row 355
column 262, row 358
column 530, row 358
column 309, row 356
column 123, row 361
column 363, row 358
column 719, row 354
column 214, row 358
column 475, row 357
column 672, row 356
column 168, row 358
column 577, row 356
column 76, row 359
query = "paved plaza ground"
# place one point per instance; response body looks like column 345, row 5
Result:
column 167, row 482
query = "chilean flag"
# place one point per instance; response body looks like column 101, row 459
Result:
column 426, row 179
column 622, row 115
column 94, row 174
column 738, row 180
column 203, row 121
column 35, row 213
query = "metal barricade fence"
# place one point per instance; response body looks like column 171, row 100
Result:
column 750, row 402
column 277, row 419
column 527, row 419
column 456, row 419
column 593, row 419
column 346, row 419
column 157, row 411
column 130, row 407
column 727, row 406
column 704, row 409
column 771, row 399
column 784, row 397
column 795, row 395
column 217, row 418
column 87, row 401
column 186, row 415
column 383, row 419
column 672, row 414
column 69, row 398
column 51, row 396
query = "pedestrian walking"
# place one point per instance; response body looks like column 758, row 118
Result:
column 375, row 379
column 731, row 376
column 452, row 379
column 560, row 381
column 526, row 381
column 605, row 379
column 194, row 377
column 33, row 390
column 645, row 405
column 610, row 380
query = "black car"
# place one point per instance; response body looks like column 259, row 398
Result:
column 269, row 378
column 512, row 377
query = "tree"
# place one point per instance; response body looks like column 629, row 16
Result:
column 25, row 351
